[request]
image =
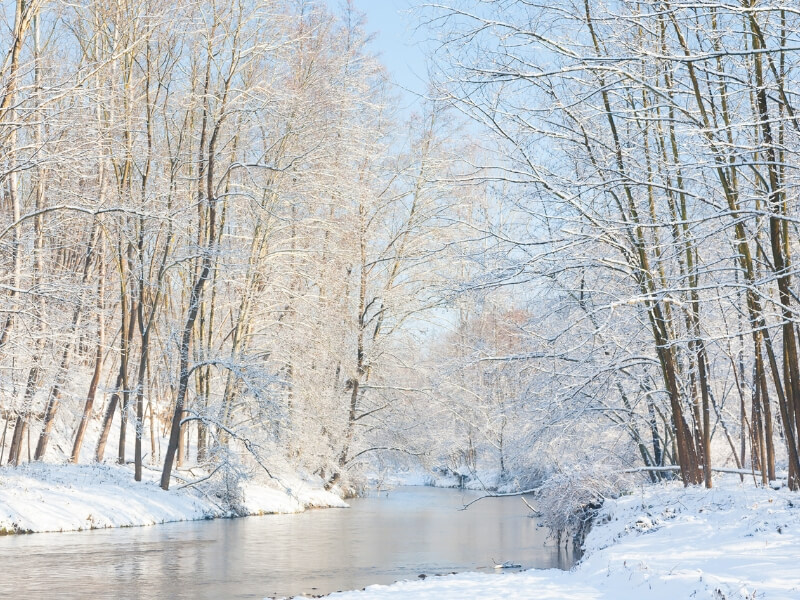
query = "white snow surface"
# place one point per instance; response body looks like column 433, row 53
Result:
column 664, row 542
column 45, row 497
column 480, row 481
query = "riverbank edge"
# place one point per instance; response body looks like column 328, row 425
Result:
column 43, row 498
column 660, row 542
column 489, row 482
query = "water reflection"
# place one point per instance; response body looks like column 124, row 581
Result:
column 382, row 538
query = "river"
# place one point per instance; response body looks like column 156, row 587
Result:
column 384, row 537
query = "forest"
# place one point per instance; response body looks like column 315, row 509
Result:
column 227, row 246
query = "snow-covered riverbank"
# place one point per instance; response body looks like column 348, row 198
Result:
column 734, row 542
column 44, row 497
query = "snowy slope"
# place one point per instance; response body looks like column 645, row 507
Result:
column 734, row 542
column 45, row 497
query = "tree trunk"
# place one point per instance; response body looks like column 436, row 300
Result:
column 98, row 360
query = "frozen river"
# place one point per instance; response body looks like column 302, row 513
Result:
column 381, row 539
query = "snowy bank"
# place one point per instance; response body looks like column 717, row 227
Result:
column 443, row 477
column 734, row 542
column 44, row 497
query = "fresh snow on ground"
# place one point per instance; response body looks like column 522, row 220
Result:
column 734, row 542
column 45, row 497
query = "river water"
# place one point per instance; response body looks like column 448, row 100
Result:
column 382, row 538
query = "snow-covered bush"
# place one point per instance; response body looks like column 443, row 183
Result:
column 224, row 482
column 567, row 499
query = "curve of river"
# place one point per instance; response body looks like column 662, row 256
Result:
column 382, row 538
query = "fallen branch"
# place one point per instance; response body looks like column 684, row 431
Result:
column 677, row 468
column 503, row 495
column 200, row 480
column 636, row 470
column 533, row 510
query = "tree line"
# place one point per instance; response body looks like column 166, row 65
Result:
column 650, row 149
column 220, row 231
column 215, row 227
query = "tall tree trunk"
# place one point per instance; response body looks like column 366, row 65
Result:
column 127, row 325
column 98, row 359
column 54, row 398
column 194, row 306
column 25, row 13
column 780, row 260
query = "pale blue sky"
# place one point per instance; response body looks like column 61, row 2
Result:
column 399, row 46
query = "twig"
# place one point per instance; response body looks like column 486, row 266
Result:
column 201, row 480
column 504, row 495
column 528, row 504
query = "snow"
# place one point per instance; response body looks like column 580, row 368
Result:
column 44, row 497
column 734, row 542
column 300, row 495
column 444, row 477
